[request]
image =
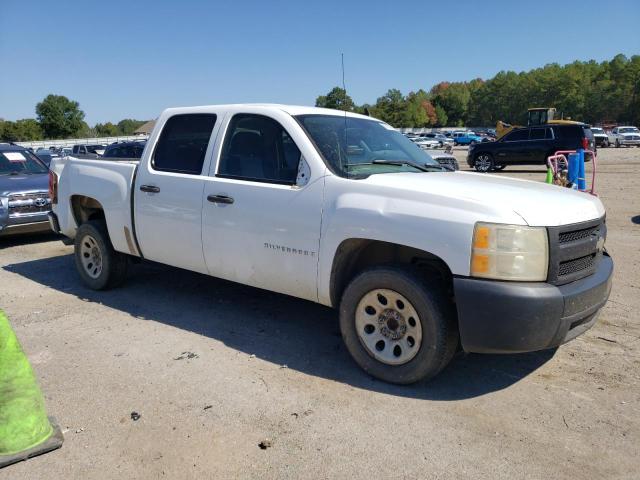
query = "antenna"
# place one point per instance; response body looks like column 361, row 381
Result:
column 344, row 106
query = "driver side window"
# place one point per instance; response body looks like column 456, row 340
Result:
column 258, row 149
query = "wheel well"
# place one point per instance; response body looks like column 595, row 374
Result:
column 356, row 254
column 86, row 208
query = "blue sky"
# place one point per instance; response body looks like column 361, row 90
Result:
column 132, row 59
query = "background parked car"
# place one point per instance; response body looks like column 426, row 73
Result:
column 529, row 146
column 600, row 137
column 466, row 138
column 426, row 143
column 24, row 191
column 445, row 159
column 88, row 151
column 124, row 150
column 625, row 136
column 441, row 138
column 46, row 155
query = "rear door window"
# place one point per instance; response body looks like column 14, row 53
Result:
column 517, row 135
column 539, row 134
column 183, row 143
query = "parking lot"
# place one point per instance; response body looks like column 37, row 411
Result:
column 214, row 369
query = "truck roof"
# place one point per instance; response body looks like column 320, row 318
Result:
column 290, row 109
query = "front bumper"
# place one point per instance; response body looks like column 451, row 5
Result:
column 20, row 228
column 512, row 317
column 625, row 141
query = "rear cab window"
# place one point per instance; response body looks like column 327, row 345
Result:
column 183, row 143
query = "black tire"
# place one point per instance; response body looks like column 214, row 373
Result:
column 605, row 144
column 435, row 313
column 497, row 168
column 113, row 265
column 483, row 162
column 617, row 143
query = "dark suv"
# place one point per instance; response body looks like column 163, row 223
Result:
column 529, row 146
column 124, row 150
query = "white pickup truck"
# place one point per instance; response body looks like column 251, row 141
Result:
column 624, row 137
column 342, row 210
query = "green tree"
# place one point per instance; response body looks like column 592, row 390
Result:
column 391, row 107
column 337, row 99
column 20, row 130
column 59, row 117
column 106, row 130
column 128, row 126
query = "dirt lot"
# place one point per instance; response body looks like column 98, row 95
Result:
column 214, row 368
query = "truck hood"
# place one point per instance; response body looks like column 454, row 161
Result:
column 38, row 182
column 537, row 203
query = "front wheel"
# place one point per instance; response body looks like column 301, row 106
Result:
column 98, row 264
column 397, row 326
column 483, row 163
column 617, row 143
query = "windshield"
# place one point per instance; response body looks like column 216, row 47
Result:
column 628, row 130
column 596, row 130
column 20, row 162
column 356, row 148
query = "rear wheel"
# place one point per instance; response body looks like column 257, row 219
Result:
column 397, row 326
column 483, row 162
column 98, row 264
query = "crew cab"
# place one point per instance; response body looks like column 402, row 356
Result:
column 530, row 146
column 343, row 210
column 624, row 137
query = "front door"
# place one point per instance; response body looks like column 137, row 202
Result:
column 262, row 208
column 168, row 192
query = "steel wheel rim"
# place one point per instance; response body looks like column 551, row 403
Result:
column 483, row 163
column 388, row 326
column 91, row 256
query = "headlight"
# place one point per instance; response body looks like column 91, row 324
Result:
column 509, row 252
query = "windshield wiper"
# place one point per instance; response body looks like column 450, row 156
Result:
column 399, row 163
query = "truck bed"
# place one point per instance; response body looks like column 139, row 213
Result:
column 109, row 182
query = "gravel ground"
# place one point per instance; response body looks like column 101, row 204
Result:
column 215, row 368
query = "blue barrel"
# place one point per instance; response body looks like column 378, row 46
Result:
column 574, row 168
column 582, row 181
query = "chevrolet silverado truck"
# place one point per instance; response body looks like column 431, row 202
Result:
column 342, row 210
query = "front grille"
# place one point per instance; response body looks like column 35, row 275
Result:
column 565, row 237
column 575, row 250
column 576, row 265
column 23, row 204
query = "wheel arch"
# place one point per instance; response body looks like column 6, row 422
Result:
column 354, row 255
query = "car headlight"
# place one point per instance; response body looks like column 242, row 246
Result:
column 509, row 252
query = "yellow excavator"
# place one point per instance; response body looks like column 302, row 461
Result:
column 535, row 116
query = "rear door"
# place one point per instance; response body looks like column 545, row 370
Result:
column 514, row 147
column 540, row 144
column 168, row 191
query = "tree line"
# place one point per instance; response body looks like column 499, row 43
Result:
column 592, row 92
column 59, row 117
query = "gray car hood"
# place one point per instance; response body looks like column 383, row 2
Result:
column 37, row 182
